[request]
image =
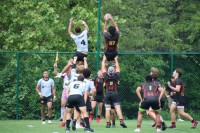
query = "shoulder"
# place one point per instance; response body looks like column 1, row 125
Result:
column 178, row 81
column 106, row 34
column 105, row 75
column 73, row 36
column 85, row 31
column 117, row 74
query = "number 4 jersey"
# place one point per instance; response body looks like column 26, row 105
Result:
column 81, row 41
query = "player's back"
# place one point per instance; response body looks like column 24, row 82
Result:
column 77, row 88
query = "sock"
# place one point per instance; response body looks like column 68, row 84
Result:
column 108, row 123
column 91, row 115
column 62, row 110
column 74, row 122
column 163, row 123
column 138, row 126
column 113, row 122
column 86, row 119
column 173, row 124
column 82, row 122
column 192, row 121
column 121, row 120
column 158, row 126
column 50, row 118
column 98, row 116
column 68, row 123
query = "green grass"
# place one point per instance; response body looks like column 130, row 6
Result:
column 35, row 126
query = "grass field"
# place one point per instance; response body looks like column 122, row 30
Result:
column 33, row 126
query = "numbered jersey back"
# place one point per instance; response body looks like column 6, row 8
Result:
column 77, row 88
column 81, row 41
column 150, row 91
column 111, row 41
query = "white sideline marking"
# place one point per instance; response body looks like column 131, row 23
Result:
column 55, row 132
column 30, row 126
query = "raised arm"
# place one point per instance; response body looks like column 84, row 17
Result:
column 85, row 62
column 103, row 67
column 70, row 26
column 105, row 25
column 84, row 24
column 115, row 24
column 117, row 64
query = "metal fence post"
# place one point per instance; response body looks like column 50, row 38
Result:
column 172, row 62
column 17, row 86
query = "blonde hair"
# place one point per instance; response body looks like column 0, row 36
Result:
column 154, row 70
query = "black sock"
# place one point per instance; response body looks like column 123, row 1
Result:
column 68, row 123
column 192, row 121
column 163, row 123
column 86, row 119
column 74, row 122
column 98, row 116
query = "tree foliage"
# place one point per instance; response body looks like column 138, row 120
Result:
column 145, row 26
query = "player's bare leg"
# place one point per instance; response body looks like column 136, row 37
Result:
column 43, row 106
column 49, row 105
column 100, row 105
column 119, row 113
column 173, row 115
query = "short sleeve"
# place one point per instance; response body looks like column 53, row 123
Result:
column 39, row 82
column 178, row 81
column 73, row 36
column 105, row 75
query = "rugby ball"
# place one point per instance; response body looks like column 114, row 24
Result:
column 107, row 16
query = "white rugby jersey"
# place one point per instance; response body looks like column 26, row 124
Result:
column 81, row 41
column 45, row 86
column 66, row 81
column 77, row 88
column 89, row 85
column 74, row 75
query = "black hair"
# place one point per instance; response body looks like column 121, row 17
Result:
column 80, row 77
column 86, row 73
column 154, row 77
column 78, row 29
column 148, row 78
column 111, row 30
column 179, row 72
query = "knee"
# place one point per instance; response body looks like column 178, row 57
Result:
column 107, row 106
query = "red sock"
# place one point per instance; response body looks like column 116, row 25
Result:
column 121, row 120
column 173, row 124
column 108, row 123
column 91, row 115
column 158, row 126
column 138, row 126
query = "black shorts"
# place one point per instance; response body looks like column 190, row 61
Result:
column 146, row 104
column 88, row 105
column 180, row 103
column 75, row 101
column 99, row 98
column 112, row 106
column 110, row 55
column 162, row 104
column 80, row 56
column 112, row 98
column 45, row 100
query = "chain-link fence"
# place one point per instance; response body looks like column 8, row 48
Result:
column 20, row 72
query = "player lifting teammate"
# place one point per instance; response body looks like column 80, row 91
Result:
column 111, row 80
